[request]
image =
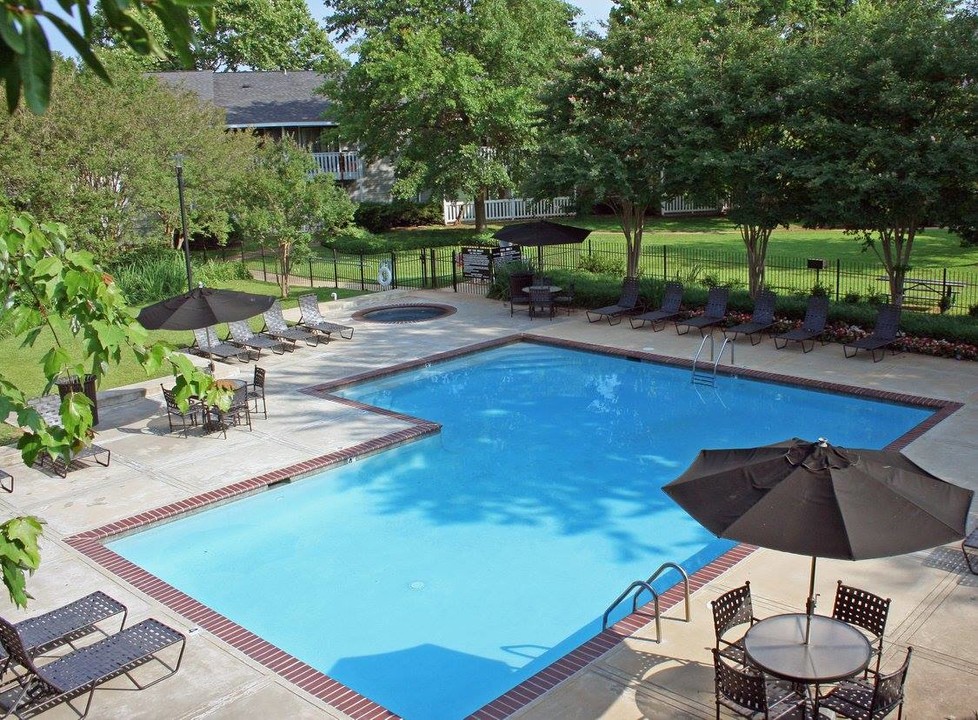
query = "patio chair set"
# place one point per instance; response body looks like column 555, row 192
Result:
column 35, row 681
column 539, row 294
column 212, row 419
column 762, row 321
column 243, row 344
column 746, row 689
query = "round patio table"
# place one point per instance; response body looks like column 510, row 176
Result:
column 835, row 650
column 549, row 288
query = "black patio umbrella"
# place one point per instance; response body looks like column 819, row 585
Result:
column 540, row 233
column 201, row 308
column 823, row 501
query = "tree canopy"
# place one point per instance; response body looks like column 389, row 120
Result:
column 101, row 159
column 447, row 91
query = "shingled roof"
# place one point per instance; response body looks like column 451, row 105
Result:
column 258, row 99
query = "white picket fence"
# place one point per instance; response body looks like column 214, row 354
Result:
column 683, row 206
column 510, row 209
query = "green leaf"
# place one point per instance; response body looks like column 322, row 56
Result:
column 35, row 66
column 8, row 32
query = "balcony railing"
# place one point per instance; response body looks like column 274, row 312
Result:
column 341, row 165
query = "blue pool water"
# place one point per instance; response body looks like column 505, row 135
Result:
column 434, row 577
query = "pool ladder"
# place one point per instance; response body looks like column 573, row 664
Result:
column 705, row 376
column 635, row 590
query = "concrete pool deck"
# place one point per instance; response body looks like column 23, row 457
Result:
column 935, row 599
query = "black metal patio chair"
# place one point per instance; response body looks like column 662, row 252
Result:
column 748, row 693
column 541, row 302
column 864, row 610
column 731, row 609
column 256, row 391
column 867, row 699
column 194, row 410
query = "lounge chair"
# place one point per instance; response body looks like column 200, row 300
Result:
column 627, row 303
column 240, row 333
column 812, row 328
column 311, row 318
column 762, row 319
column 969, row 547
column 716, row 312
column 276, row 327
column 672, row 300
column 207, row 345
column 6, row 481
column 79, row 672
column 883, row 336
column 49, row 408
column 64, row 625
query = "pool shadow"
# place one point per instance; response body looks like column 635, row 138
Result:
column 425, row 682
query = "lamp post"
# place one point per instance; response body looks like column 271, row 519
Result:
column 178, row 162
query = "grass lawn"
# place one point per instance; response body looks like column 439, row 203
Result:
column 22, row 366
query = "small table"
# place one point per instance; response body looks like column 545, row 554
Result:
column 835, row 650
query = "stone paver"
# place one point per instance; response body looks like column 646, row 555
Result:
column 935, row 600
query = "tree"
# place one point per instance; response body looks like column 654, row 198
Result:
column 608, row 123
column 101, row 159
column 286, row 203
column 447, row 91
column 248, row 34
column 733, row 142
column 886, row 128
column 26, row 63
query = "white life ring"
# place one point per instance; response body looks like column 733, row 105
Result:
column 384, row 276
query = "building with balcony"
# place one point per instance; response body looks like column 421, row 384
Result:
column 276, row 104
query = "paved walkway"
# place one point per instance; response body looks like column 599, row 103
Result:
column 935, row 600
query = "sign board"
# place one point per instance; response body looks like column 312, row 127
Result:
column 476, row 263
column 507, row 253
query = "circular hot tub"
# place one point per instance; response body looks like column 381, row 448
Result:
column 406, row 313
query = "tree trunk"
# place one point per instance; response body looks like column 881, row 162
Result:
column 480, row 210
column 896, row 246
column 631, row 217
column 755, row 240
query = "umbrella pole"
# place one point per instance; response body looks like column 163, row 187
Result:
column 810, row 605
column 540, row 258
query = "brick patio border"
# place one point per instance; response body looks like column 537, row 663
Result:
column 91, row 542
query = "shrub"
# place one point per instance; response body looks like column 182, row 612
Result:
column 154, row 273
column 601, row 265
column 380, row 217
column 355, row 240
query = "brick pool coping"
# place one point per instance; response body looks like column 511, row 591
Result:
column 91, row 542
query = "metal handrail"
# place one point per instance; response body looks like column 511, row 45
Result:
column 678, row 568
column 640, row 585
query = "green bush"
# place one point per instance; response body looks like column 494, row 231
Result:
column 356, row 240
column 154, row 273
column 381, row 217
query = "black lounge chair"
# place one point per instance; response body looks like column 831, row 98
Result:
column 64, row 625
column 883, row 336
column 81, row 671
column 672, row 300
column 716, row 312
column 813, row 327
column 6, row 481
column 762, row 319
column 626, row 304
column 864, row 699
column 207, row 345
column 276, row 327
column 311, row 318
column 49, row 408
column 240, row 333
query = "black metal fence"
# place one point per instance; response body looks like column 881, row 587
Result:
column 952, row 290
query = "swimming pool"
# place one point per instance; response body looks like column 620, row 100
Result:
column 450, row 569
